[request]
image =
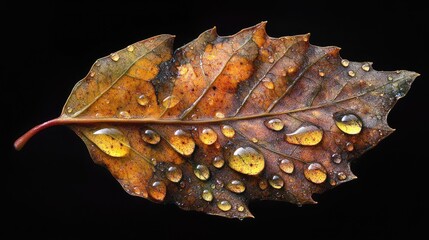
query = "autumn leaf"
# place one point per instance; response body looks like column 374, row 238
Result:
column 222, row 120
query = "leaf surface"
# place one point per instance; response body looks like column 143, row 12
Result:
column 223, row 120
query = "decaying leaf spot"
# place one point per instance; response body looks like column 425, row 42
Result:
column 223, row 121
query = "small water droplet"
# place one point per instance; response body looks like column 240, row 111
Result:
column 315, row 173
column 110, row 140
column 143, row 100
column 228, row 131
column 153, row 161
column 332, row 182
column 114, row 57
column 170, row 101
column 182, row 184
column 236, row 186
column 182, row 142
column 254, row 140
column 130, row 48
column 69, row 109
column 247, row 160
column 366, row 67
column 276, row 182
column 345, row 62
column 274, row 124
column 270, row 59
column 207, row 195
column 286, row 166
column 291, row 70
column 218, row 162
column 341, row 176
column 348, row 123
column 124, row 114
column 336, row 158
column 306, row 135
column 390, row 78
column 349, row 146
column 219, row 115
column 157, row 190
column 212, row 186
column 174, row 174
column 92, row 74
column 224, row 205
column 97, row 63
column 137, row 190
column 268, row 83
column 351, row 73
column 398, row 71
column 263, row 184
column 202, row 172
column 208, row 136
column 395, row 84
column 150, row 136
column 240, row 208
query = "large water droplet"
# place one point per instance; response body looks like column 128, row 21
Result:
column 228, row 131
column 207, row 195
column 236, row 186
column 224, row 205
column 247, row 160
column 174, row 174
column 315, row 173
column 157, row 190
column 268, row 83
column 143, row 100
column 276, row 182
column 274, row 124
column 286, row 166
column 307, row 135
column 170, row 101
column 208, row 136
column 150, row 136
column 348, row 123
column 114, row 56
column 218, row 162
column 345, row 62
column 202, row 172
column 111, row 141
column 182, row 142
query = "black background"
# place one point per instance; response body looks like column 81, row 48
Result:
column 52, row 188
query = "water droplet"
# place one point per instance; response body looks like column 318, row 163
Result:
column 202, row 172
column 170, row 101
column 268, row 83
column 137, row 190
column 276, row 182
column 336, row 158
column 274, row 124
column 224, row 205
column 315, row 173
column 207, row 195
column 182, row 142
column 114, row 56
column 208, row 136
column 345, row 62
column 240, row 208
column 263, row 184
column 157, row 190
column 143, row 100
column 351, row 73
column 228, row 131
column 124, row 114
column 390, row 78
column 111, row 141
column 306, row 135
column 92, row 74
column 291, row 70
column 69, row 109
column 130, row 48
column 286, row 166
column 219, row 115
column 398, row 71
column 349, row 146
column 174, row 174
column 321, row 73
column 218, row 162
column 366, row 67
column 150, row 137
column 348, row 123
column 247, row 160
column 97, row 63
column 332, row 182
column 254, row 140
column 236, row 186
column 341, row 176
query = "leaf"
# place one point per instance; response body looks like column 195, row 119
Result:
column 226, row 120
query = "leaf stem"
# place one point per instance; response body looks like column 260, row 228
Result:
column 20, row 142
